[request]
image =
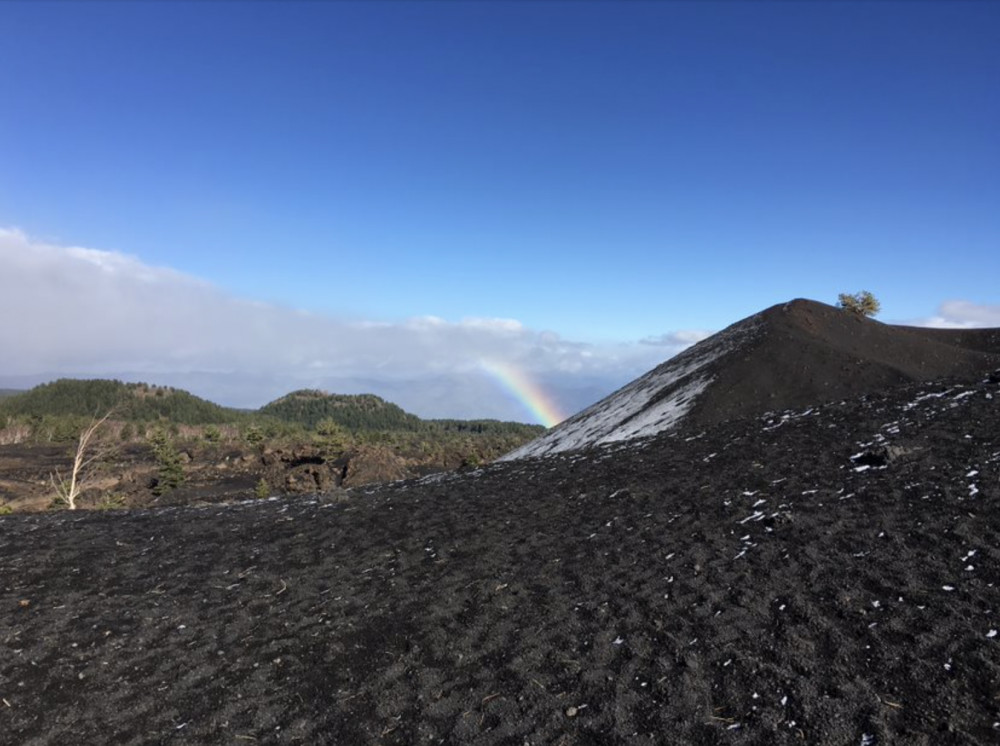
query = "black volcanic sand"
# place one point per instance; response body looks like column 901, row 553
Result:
column 746, row 584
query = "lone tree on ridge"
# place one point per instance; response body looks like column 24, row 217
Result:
column 863, row 303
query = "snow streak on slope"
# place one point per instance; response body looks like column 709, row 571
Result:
column 650, row 404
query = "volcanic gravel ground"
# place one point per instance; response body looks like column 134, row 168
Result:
column 826, row 576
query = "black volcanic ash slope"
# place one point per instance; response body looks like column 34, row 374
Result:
column 790, row 355
column 825, row 576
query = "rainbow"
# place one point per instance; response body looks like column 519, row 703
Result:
column 526, row 391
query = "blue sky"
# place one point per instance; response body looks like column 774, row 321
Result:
column 600, row 173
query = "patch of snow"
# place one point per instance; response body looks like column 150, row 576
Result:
column 651, row 404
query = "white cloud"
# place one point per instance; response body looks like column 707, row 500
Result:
column 678, row 339
column 77, row 311
column 81, row 311
column 961, row 314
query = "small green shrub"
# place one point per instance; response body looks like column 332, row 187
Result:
column 253, row 435
column 170, row 474
column 262, row 491
column 111, row 501
column 331, row 438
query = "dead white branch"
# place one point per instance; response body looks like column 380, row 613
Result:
column 68, row 490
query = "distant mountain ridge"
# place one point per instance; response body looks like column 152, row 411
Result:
column 790, row 355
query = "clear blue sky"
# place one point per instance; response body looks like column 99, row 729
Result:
column 605, row 170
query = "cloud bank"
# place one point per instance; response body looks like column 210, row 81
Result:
column 84, row 312
column 960, row 314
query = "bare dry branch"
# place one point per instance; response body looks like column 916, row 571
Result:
column 68, row 491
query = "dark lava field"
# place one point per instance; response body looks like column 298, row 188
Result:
column 821, row 575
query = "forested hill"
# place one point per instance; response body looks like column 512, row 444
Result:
column 359, row 412
column 141, row 402
column 137, row 402
column 309, row 407
column 4, row 393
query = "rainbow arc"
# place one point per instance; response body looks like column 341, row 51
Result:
column 526, row 391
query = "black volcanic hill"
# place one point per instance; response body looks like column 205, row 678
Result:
column 804, row 352
column 790, row 355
